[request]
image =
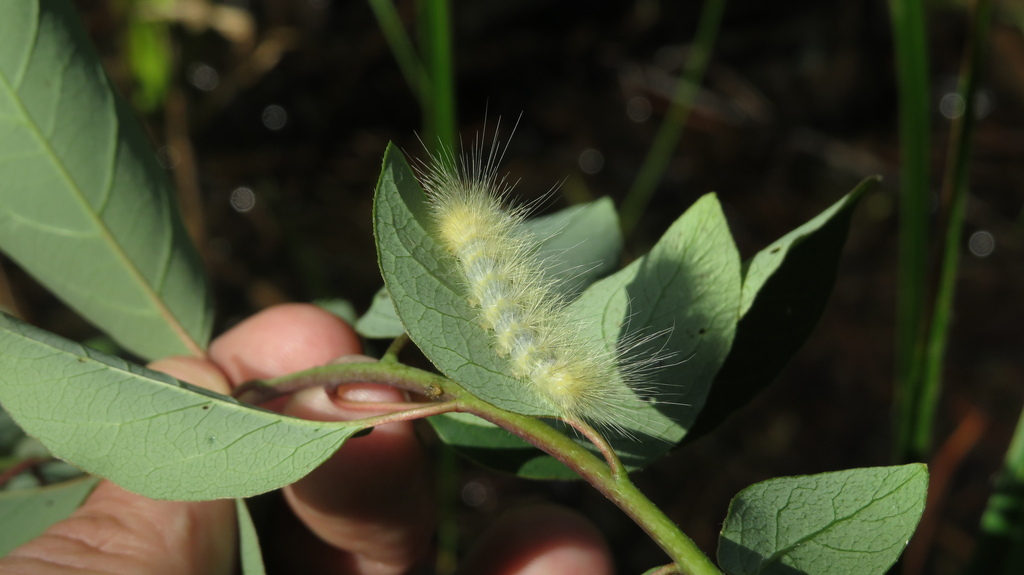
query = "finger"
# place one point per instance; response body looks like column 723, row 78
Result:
column 540, row 540
column 282, row 340
column 195, row 371
column 374, row 498
column 119, row 532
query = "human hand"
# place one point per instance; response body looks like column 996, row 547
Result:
column 368, row 510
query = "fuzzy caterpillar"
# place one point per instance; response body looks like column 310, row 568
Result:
column 519, row 305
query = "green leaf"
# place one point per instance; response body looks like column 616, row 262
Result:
column 339, row 307
column 248, row 541
column 567, row 241
column 26, row 513
column 427, row 293
column 785, row 290
column 148, row 432
column 687, row 288
column 428, row 296
column 581, row 243
column 856, row 521
column 10, row 433
column 85, row 207
column 380, row 321
column 689, row 285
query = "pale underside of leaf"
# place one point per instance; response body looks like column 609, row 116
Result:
column 147, row 431
column 85, row 207
column 26, row 513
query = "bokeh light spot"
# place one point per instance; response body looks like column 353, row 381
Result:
column 274, row 117
column 981, row 244
column 243, row 199
column 591, row 161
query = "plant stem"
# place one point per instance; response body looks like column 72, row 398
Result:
column 912, row 75
column 401, row 46
column 391, row 354
column 332, row 375
column 617, row 487
column 952, row 206
column 436, row 46
column 605, row 477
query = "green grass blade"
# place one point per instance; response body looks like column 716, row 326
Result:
column 675, row 120
column 84, row 206
column 249, row 552
column 952, row 206
column 439, row 109
column 402, row 48
column 908, row 22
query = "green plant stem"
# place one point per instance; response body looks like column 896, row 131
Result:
column 908, row 22
column 617, row 487
column 446, row 560
column 952, row 206
column 336, row 374
column 402, row 48
column 436, row 46
column 675, row 120
column 396, row 347
column 602, row 445
column 432, row 78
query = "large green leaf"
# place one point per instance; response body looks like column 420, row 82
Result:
column 147, row 431
column 26, row 513
column 84, row 205
column 785, row 289
column 854, row 522
column 687, row 289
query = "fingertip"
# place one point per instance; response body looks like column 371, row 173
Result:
column 281, row 340
column 540, row 539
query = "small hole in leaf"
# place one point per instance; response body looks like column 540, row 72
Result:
column 702, row 331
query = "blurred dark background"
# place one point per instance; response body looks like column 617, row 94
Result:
column 278, row 113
